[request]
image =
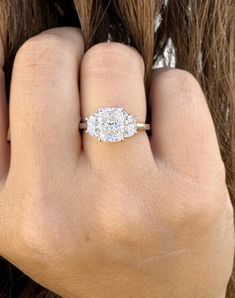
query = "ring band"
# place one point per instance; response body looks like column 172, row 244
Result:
column 109, row 125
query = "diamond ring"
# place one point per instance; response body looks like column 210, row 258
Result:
column 112, row 125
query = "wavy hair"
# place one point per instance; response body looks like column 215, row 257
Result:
column 206, row 49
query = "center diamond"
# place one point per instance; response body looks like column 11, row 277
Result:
column 111, row 125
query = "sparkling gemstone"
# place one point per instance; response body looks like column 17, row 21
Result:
column 130, row 127
column 111, row 125
column 91, row 126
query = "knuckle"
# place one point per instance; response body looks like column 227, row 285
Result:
column 200, row 211
column 39, row 46
column 121, row 57
column 185, row 76
column 194, row 207
column 50, row 48
column 178, row 76
column 182, row 83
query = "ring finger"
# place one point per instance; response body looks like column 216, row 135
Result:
column 112, row 75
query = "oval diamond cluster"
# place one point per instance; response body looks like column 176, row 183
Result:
column 111, row 124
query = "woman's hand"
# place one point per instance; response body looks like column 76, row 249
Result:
column 140, row 218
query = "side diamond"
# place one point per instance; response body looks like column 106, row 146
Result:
column 91, row 126
column 130, row 126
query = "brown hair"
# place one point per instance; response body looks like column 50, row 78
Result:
column 202, row 35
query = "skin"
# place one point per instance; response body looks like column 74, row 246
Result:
column 147, row 217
